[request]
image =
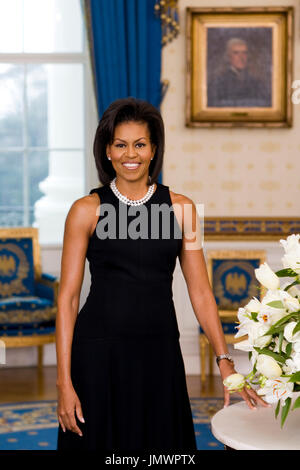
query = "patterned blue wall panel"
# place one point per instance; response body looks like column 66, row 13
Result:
column 234, row 282
column 16, row 267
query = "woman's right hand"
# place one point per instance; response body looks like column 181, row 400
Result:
column 68, row 405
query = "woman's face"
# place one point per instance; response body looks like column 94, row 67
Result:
column 131, row 150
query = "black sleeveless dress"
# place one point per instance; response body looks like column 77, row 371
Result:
column 126, row 362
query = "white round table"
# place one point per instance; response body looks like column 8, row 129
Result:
column 240, row 428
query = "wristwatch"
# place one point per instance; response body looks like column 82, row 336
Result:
column 224, row 356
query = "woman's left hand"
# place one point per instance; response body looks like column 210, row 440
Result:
column 248, row 394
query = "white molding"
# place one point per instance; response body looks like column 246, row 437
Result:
column 42, row 58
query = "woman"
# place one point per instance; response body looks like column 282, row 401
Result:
column 120, row 373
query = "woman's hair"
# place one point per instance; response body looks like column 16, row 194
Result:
column 128, row 110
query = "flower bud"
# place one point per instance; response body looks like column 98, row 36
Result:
column 268, row 367
column 234, row 382
column 267, row 277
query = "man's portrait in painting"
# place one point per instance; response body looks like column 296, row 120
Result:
column 239, row 67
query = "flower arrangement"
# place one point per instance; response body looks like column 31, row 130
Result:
column 273, row 329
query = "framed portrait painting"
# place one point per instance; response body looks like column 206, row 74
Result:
column 239, row 67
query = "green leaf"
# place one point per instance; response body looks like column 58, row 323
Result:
column 285, row 319
column 251, row 375
column 285, row 410
column 296, row 403
column 277, row 357
column 287, row 272
column 297, row 328
column 291, row 285
column 295, row 377
column 275, row 328
column 288, row 349
column 280, row 339
column 276, row 304
column 254, row 316
column 277, row 409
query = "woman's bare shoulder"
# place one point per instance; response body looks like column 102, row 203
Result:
column 191, row 222
column 84, row 211
column 178, row 198
column 85, row 203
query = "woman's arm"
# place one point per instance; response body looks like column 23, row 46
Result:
column 194, row 270
column 78, row 228
column 76, row 238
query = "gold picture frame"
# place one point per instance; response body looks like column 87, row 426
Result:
column 239, row 67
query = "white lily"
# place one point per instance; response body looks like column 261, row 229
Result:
column 253, row 306
column 244, row 345
column 243, row 315
column 288, row 332
column 243, row 330
column 258, row 316
column 256, row 335
column 291, row 259
column 296, row 346
column 278, row 389
column 267, row 277
column 268, row 315
column 289, row 302
column 291, row 243
column 245, row 322
column 292, row 365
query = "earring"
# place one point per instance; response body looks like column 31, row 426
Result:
column 109, row 158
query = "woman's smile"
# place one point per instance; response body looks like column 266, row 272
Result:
column 131, row 166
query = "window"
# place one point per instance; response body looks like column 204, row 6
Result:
column 42, row 113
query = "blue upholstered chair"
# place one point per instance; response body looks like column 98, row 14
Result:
column 28, row 297
column 233, row 282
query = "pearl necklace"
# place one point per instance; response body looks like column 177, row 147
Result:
column 126, row 200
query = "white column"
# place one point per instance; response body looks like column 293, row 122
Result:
column 65, row 181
